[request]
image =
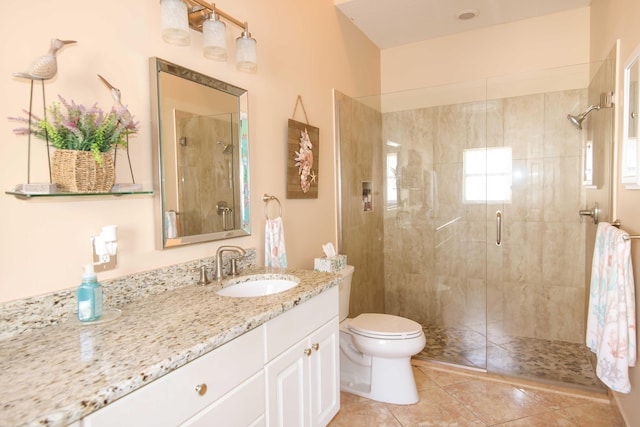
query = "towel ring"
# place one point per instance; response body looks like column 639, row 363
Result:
column 266, row 199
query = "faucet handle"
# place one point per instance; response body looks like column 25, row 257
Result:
column 234, row 267
column 203, row 276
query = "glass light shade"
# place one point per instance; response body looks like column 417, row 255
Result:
column 175, row 24
column 246, row 53
column 215, row 39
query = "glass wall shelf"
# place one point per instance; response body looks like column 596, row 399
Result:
column 25, row 196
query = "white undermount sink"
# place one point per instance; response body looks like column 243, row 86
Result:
column 259, row 287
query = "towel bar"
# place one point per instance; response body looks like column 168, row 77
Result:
column 617, row 224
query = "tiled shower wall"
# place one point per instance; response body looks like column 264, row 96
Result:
column 440, row 253
column 362, row 232
column 209, row 177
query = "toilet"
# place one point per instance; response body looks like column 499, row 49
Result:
column 375, row 352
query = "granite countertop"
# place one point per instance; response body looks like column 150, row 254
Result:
column 58, row 374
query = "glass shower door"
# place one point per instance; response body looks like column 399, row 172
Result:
column 457, row 334
column 436, row 218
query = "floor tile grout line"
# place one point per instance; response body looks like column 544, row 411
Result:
column 478, row 416
column 570, row 420
column 460, row 403
column 487, row 423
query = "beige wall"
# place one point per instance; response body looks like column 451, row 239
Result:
column 304, row 48
column 612, row 20
column 546, row 42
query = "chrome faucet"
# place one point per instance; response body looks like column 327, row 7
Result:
column 220, row 251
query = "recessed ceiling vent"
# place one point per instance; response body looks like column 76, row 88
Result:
column 467, row 14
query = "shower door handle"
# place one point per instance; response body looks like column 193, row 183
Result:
column 498, row 228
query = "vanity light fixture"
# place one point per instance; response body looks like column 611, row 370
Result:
column 175, row 24
column 214, row 36
column 178, row 15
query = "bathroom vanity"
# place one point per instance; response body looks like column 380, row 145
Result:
column 184, row 357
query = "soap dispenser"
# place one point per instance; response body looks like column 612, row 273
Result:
column 89, row 296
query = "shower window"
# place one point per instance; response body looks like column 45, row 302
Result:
column 487, row 175
column 587, row 177
column 392, row 180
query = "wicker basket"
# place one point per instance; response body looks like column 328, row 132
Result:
column 78, row 172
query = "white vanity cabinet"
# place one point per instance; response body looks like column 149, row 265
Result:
column 302, row 370
column 283, row 373
column 225, row 384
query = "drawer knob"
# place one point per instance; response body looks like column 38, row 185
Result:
column 201, row 389
column 316, row 346
column 307, row 351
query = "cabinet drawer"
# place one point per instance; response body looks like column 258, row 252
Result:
column 173, row 398
column 243, row 406
column 297, row 323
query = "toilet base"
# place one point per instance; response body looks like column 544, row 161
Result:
column 392, row 381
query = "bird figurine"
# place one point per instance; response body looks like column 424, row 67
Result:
column 116, row 95
column 125, row 116
column 45, row 67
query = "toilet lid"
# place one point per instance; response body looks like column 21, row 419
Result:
column 385, row 326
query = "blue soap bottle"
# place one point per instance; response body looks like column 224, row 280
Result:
column 89, row 296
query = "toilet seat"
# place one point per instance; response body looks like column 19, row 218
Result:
column 385, row 326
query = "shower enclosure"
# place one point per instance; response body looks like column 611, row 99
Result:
column 474, row 231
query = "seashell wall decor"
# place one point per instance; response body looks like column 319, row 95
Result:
column 303, row 160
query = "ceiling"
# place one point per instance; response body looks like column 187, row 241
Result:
column 390, row 23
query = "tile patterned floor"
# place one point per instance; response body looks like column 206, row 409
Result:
column 454, row 397
column 555, row 362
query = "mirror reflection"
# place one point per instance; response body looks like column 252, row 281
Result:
column 201, row 154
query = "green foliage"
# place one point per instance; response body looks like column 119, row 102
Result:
column 71, row 126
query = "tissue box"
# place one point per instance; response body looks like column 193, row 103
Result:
column 330, row 264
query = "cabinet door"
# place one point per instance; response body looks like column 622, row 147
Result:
column 288, row 387
column 325, row 373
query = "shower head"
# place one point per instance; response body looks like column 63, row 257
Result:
column 606, row 101
column 577, row 120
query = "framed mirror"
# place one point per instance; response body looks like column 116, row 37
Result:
column 631, row 126
column 201, row 156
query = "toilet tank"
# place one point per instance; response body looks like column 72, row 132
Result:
column 345, row 291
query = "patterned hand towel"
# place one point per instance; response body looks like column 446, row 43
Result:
column 275, row 253
column 611, row 324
